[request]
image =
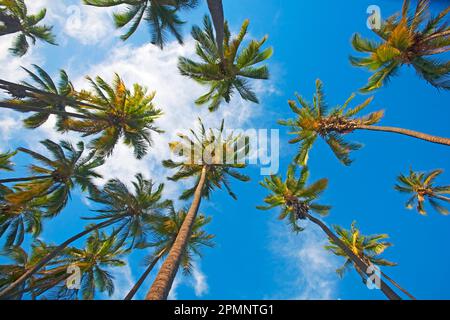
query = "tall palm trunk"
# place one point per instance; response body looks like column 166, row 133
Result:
column 216, row 10
column 29, row 108
column 58, row 250
column 26, row 179
column 360, row 264
column 163, row 283
column 407, row 132
column 27, row 90
column 398, row 286
column 144, row 276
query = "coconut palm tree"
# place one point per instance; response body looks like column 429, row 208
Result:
column 45, row 98
column 298, row 201
column 132, row 214
column 55, row 178
column 40, row 283
column 421, row 187
column 230, row 73
column 407, row 39
column 210, row 158
column 114, row 111
column 367, row 248
column 161, row 15
column 14, row 18
column 164, row 232
column 120, row 113
column 101, row 253
column 43, row 82
column 318, row 120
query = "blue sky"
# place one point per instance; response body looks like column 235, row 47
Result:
column 256, row 256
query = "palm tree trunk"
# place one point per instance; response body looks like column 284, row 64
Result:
column 144, row 276
column 406, row 132
column 25, row 179
column 216, row 10
column 355, row 259
column 10, row 289
column 163, row 283
column 398, row 286
column 28, row 108
column 11, row 86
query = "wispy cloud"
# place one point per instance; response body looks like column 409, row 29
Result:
column 123, row 281
column 200, row 281
column 308, row 270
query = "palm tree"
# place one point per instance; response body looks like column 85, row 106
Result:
column 211, row 159
column 165, row 231
column 421, row 187
column 14, row 18
column 101, row 253
column 318, row 120
column 367, row 248
column 119, row 113
column 111, row 111
column 43, row 281
column 225, row 75
column 298, row 200
column 161, row 15
column 406, row 40
column 45, row 83
column 133, row 212
column 55, row 179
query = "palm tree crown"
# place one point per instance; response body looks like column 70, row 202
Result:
column 221, row 155
column 166, row 229
column 54, row 180
column 14, row 18
column 136, row 210
column 224, row 75
column 161, row 15
column 120, row 113
column 43, row 82
column 294, row 197
column 422, row 188
column 101, row 253
column 318, row 120
column 368, row 248
column 406, row 40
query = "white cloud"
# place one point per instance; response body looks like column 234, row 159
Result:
column 123, row 281
column 86, row 24
column 309, row 271
column 11, row 65
column 200, row 281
